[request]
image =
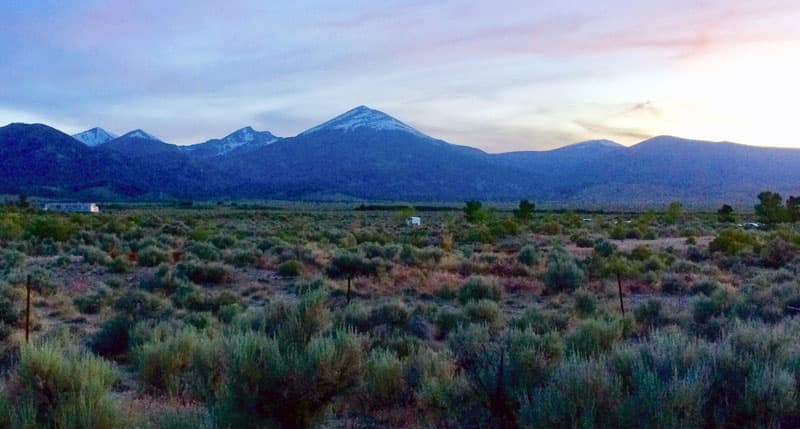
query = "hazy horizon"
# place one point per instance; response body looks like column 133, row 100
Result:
column 501, row 77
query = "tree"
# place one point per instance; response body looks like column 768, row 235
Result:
column 619, row 268
column 23, row 201
column 349, row 265
column 525, row 211
column 793, row 209
column 725, row 214
column 673, row 213
column 474, row 211
column 769, row 209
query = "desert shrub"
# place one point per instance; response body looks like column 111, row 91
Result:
column 93, row 255
column 206, row 272
column 594, row 336
column 120, row 264
column 776, row 253
column 138, row 304
column 484, row 311
column 51, row 227
column 298, row 322
column 94, row 302
column 674, row 284
column 223, row 241
column 110, row 243
column 151, row 256
column 584, row 393
column 113, row 338
column 13, row 259
column 498, row 369
column 9, row 313
column 718, row 304
column 733, row 241
column 705, row 286
column 384, row 385
column 650, row 313
column 187, row 363
column 447, row 320
column 541, row 321
column 640, row 253
column 228, row 312
column 563, row 272
column 585, row 303
column 478, row 288
column 604, row 248
column 283, row 382
column 392, row 313
column 242, row 257
column 62, row 388
column 290, row 268
column 528, row 255
column 204, row 251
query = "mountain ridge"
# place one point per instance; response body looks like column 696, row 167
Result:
column 367, row 154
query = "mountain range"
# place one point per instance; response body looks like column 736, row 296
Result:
column 365, row 154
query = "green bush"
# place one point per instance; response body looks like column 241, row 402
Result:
column 291, row 268
column 384, row 383
column 585, row 303
column 392, row 313
column 187, row 363
column 478, row 288
column 674, row 284
column 13, row 259
column 62, row 388
column 483, row 311
column 286, row 383
column 113, row 338
column 93, row 255
column 528, row 255
column 92, row 303
column 151, row 256
column 733, row 241
column 594, row 336
column 563, row 272
column 51, row 227
column 204, row 251
column 206, row 272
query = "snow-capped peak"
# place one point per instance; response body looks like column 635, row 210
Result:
column 593, row 144
column 94, row 137
column 139, row 134
column 363, row 117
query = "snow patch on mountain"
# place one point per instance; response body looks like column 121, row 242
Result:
column 363, row 117
column 94, row 137
column 139, row 134
column 246, row 136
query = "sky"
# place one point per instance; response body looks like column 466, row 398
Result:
column 499, row 75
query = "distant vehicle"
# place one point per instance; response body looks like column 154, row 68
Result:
column 751, row 225
column 414, row 221
column 72, row 207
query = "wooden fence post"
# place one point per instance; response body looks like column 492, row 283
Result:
column 28, row 310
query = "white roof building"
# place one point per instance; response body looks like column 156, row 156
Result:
column 73, row 207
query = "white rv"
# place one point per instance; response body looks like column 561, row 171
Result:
column 72, row 207
column 414, row 221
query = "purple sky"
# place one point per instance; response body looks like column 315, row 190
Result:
column 501, row 75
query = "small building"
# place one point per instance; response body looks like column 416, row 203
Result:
column 751, row 225
column 414, row 221
column 72, row 207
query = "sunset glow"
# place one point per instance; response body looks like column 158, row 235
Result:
column 500, row 76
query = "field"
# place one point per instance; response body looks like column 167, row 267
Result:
column 226, row 316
